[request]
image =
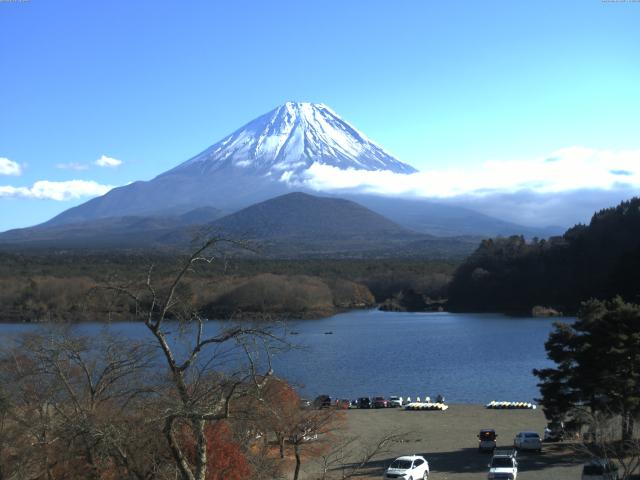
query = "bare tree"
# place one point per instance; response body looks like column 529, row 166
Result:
column 5, row 408
column 101, row 407
column 604, row 441
column 311, row 432
column 69, row 402
column 349, row 456
column 206, row 376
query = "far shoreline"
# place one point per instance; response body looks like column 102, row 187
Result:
column 310, row 315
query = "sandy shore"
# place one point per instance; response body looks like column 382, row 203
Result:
column 448, row 441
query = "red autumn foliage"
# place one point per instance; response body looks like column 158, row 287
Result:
column 282, row 403
column 225, row 459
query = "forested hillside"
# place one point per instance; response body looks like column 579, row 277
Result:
column 64, row 286
column 599, row 260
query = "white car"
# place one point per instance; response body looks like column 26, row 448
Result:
column 503, row 466
column 411, row 467
column 395, row 401
column 600, row 469
column 527, row 441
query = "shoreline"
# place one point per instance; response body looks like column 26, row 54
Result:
column 310, row 315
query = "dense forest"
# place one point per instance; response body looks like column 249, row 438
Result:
column 599, row 260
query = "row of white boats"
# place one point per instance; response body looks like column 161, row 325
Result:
column 510, row 405
column 426, row 406
column 493, row 404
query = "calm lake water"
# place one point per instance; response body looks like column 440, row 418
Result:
column 468, row 358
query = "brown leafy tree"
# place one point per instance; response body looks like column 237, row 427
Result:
column 276, row 411
column 226, row 459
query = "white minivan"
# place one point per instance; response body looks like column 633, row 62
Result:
column 527, row 441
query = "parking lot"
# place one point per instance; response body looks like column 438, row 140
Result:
column 448, row 441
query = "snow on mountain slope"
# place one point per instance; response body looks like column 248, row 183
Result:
column 267, row 157
column 288, row 140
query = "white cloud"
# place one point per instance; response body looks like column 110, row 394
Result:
column 568, row 169
column 9, row 167
column 72, row 166
column 110, row 162
column 47, row 190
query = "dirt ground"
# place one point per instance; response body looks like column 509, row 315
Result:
column 448, row 441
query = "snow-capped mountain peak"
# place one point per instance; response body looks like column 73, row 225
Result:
column 289, row 139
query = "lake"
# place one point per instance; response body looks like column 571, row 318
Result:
column 468, row 358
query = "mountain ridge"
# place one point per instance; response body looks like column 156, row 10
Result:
column 258, row 161
column 299, row 214
column 294, row 225
column 267, row 158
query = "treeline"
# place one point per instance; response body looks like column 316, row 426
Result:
column 71, row 286
column 77, row 299
column 599, row 260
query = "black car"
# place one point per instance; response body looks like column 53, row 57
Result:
column 554, row 432
column 487, row 440
column 364, row 402
column 322, row 401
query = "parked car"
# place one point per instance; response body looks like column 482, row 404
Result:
column 600, row 469
column 527, row 441
column 487, row 440
column 503, row 465
column 343, row 404
column 364, row 402
column 411, row 467
column 322, row 401
column 380, row 402
column 553, row 432
column 395, row 401
column 305, row 435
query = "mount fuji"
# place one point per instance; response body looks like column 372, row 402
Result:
column 265, row 158
column 249, row 177
column 289, row 139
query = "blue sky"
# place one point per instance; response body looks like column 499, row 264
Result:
column 444, row 86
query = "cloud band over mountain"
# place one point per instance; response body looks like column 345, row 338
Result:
column 561, row 189
column 574, row 168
